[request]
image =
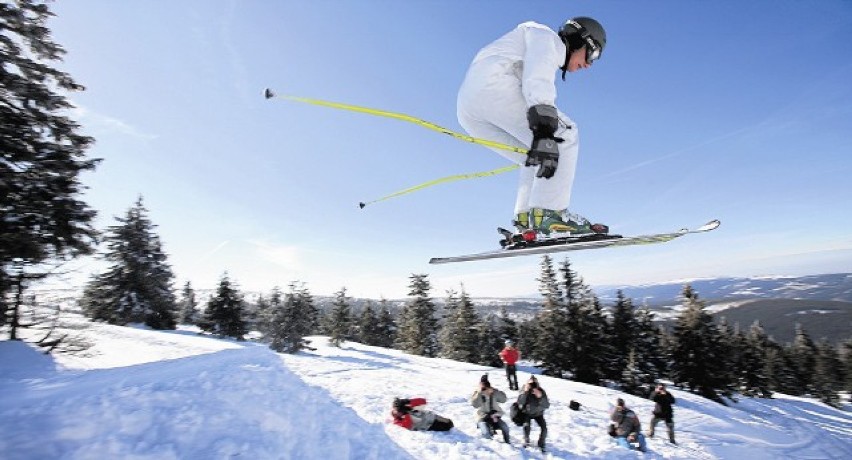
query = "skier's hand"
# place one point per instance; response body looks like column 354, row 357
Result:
column 544, row 152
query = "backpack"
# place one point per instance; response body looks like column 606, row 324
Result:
column 516, row 413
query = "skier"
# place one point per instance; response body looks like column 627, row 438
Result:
column 509, row 96
column 510, row 355
column 663, row 411
column 533, row 402
column 489, row 416
column 408, row 414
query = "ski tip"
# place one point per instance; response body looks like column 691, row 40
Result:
column 362, row 204
column 712, row 225
column 268, row 94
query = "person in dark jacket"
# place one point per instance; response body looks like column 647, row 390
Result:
column 626, row 427
column 663, row 401
column 409, row 414
column 533, row 402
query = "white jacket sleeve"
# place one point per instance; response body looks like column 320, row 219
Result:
column 543, row 55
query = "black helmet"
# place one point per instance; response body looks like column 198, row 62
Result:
column 580, row 31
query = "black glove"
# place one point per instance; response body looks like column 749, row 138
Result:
column 544, row 152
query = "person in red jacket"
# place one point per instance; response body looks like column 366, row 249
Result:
column 510, row 356
column 409, row 414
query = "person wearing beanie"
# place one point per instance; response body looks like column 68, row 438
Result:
column 489, row 415
column 409, row 414
column 626, row 428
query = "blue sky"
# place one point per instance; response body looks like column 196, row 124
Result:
column 739, row 111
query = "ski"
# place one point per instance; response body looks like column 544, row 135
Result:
column 593, row 241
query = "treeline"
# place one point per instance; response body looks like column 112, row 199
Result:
column 572, row 335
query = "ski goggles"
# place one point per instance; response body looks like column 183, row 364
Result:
column 593, row 49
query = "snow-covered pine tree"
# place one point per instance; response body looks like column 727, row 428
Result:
column 624, row 331
column 635, row 378
column 292, row 320
column 368, row 325
column 650, row 344
column 508, row 326
column 42, row 152
column 460, row 338
column 696, row 363
column 224, row 313
column 803, row 353
column 592, row 353
column 340, row 324
column 846, row 357
column 387, row 326
column 490, row 342
column 188, row 305
column 137, row 286
column 553, row 339
column 418, row 327
column 779, row 370
column 752, row 380
column 828, row 374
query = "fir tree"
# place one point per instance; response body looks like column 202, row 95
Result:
column 418, row 327
column 696, row 362
column 508, row 326
column 592, row 352
column 551, row 340
column 137, row 287
column 650, row 346
column 828, row 374
column 187, row 305
column 460, row 333
column 753, row 380
column 490, row 342
column 292, row 320
column 846, row 357
column 636, row 378
column 42, row 153
column 340, row 326
column 779, row 370
column 803, row 354
column 387, row 331
column 224, row 313
column 624, row 330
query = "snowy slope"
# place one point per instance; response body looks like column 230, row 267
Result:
column 175, row 395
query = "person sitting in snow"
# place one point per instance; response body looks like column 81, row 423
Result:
column 626, row 428
column 409, row 414
column 489, row 416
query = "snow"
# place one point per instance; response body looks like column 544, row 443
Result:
column 141, row 394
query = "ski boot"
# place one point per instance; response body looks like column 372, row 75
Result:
column 547, row 221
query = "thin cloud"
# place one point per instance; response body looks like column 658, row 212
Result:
column 100, row 122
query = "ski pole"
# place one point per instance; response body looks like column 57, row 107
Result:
column 269, row 94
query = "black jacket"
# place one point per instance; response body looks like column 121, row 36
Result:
column 663, row 406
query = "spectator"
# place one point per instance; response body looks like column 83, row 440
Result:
column 409, row 414
column 489, row 415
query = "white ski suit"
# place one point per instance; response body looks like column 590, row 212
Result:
column 505, row 79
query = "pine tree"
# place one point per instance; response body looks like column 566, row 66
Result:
column 828, row 374
column 187, row 305
column 292, row 320
column 803, row 354
column 695, row 359
column 489, row 342
column 846, row 357
column 508, row 326
column 42, row 153
column 460, row 333
column 592, row 353
column 418, row 327
column 624, row 331
column 224, row 313
column 552, row 336
column 780, row 371
column 341, row 319
column 650, row 346
column 752, row 372
column 635, row 378
column 387, row 331
column 137, row 287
